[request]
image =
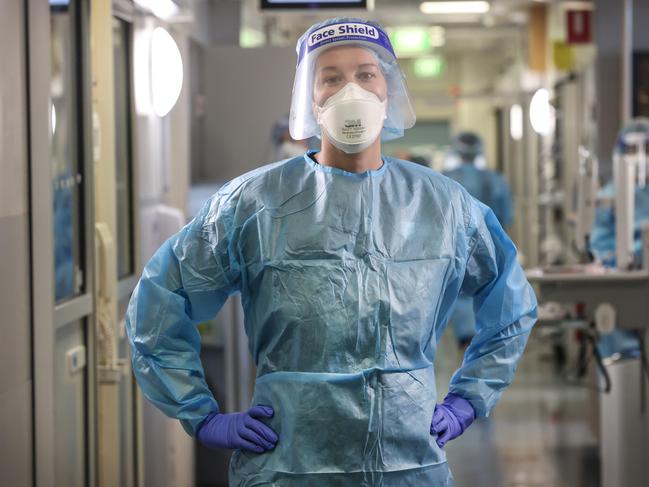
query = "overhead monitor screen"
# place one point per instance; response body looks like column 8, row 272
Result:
column 301, row 4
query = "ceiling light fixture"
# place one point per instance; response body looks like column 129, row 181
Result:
column 158, row 72
column 542, row 113
column 472, row 7
column 516, row 122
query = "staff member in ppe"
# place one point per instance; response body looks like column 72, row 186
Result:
column 622, row 343
column 348, row 264
column 490, row 188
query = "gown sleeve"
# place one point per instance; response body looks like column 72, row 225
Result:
column 505, row 308
column 185, row 283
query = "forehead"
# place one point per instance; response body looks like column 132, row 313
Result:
column 345, row 56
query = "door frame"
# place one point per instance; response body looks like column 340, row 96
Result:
column 47, row 316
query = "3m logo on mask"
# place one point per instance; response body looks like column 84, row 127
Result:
column 337, row 31
column 352, row 119
column 353, row 129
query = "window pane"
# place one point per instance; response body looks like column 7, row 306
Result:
column 66, row 169
column 121, row 40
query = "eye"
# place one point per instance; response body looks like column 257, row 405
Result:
column 332, row 79
column 366, row 76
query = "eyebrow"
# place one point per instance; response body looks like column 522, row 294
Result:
column 335, row 68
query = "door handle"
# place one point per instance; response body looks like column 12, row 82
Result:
column 106, row 260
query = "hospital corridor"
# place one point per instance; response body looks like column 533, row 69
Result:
column 324, row 243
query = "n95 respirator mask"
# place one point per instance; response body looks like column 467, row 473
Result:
column 352, row 119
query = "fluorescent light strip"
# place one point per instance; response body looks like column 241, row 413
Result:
column 454, row 7
column 516, row 122
column 577, row 5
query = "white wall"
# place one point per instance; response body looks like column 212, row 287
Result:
column 246, row 90
column 15, row 337
column 162, row 144
column 216, row 22
column 179, row 143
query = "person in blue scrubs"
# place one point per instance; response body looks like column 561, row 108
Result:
column 487, row 186
column 348, row 263
column 621, row 343
column 490, row 188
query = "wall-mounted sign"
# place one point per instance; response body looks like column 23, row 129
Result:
column 578, row 26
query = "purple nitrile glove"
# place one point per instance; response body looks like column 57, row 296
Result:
column 238, row 430
column 451, row 418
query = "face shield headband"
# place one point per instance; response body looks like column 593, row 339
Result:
column 343, row 32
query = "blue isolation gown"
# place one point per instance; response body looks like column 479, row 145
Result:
column 347, row 281
column 602, row 238
column 491, row 189
column 621, row 343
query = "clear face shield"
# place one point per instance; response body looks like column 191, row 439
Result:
column 354, row 92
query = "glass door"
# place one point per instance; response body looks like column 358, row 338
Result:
column 73, row 241
column 126, row 218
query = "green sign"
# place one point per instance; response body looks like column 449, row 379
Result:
column 408, row 41
column 429, row 66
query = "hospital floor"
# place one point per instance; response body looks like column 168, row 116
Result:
column 538, row 435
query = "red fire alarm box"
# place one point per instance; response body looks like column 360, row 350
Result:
column 578, row 25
